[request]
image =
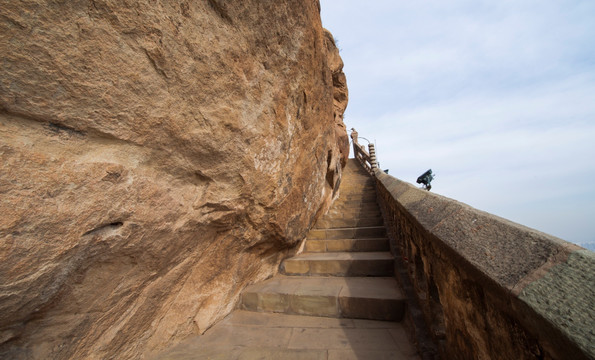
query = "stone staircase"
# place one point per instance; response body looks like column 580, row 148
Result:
column 345, row 273
column 345, row 270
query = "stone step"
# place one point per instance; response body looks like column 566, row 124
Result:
column 357, row 171
column 351, row 177
column 350, row 185
column 354, row 178
column 357, row 184
column 334, row 222
column 343, row 245
column 353, row 207
column 350, row 297
column 347, row 233
column 359, row 213
column 358, row 174
column 247, row 335
column 354, row 200
column 357, row 197
column 340, row 264
column 356, row 190
column 356, row 210
column 356, row 204
column 338, row 214
column 371, row 194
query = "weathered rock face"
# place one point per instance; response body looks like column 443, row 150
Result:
column 156, row 157
column 340, row 94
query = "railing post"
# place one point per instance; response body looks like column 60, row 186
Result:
column 373, row 163
column 354, row 137
column 366, row 159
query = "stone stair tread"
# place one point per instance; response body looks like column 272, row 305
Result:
column 370, row 221
column 334, row 217
column 361, row 194
column 356, row 202
column 358, row 239
column 339, row 297
column 357, row 191
column 369, row 217
column 352, row 189
column 250, row 318
column 376, row 255
column 347, row 232
column 253, row 335
column 350, row 245
column 357, row 213
column 340, row 263
column 354, row 209
column 357, row 197
column 361, row 287
column 353, row 212
column 357, row 228
column 363, row 208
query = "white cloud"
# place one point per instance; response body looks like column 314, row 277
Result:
column 498, row 98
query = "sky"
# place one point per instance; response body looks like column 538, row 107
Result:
column 496, row 97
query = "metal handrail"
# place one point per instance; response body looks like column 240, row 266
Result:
column 366, row 158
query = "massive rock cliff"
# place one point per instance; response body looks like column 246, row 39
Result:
column 340, row 94
column 156, row 157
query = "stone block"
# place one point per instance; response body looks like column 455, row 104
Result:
column 314, row 305
column 333, row 339
column 315, row 246
column 273, row 302
column 340, row 245
column 296, row 267
column 249, row 301
column 369, row 355
column 330, row 267
column 373, row 309
column 285, row 354
column 354, row 233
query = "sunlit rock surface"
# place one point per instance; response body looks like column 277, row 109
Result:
column 156, row 157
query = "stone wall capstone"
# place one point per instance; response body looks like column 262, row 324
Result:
column 490, row 288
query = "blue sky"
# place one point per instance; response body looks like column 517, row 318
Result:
column 496, row 97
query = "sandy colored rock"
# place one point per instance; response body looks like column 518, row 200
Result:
column 156, row 157
column 340, row 94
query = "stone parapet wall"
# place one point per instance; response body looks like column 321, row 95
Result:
column 490, row 288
